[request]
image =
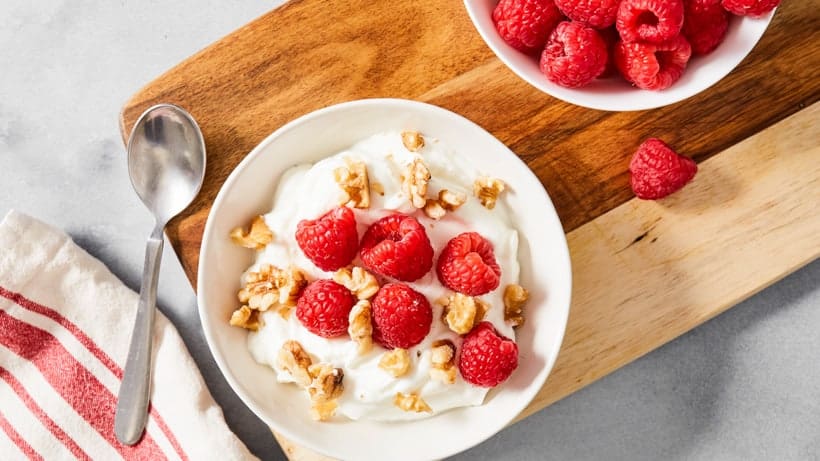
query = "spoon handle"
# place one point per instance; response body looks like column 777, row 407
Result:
column 132, row 405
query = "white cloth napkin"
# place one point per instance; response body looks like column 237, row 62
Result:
column 65, row 327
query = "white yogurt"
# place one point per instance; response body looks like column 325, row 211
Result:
column 309, row 191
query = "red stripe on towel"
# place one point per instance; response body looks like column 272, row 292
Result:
column 19, row 441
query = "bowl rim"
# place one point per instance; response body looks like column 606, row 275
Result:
column 562, row 259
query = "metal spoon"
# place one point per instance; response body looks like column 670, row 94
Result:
column 166, row 162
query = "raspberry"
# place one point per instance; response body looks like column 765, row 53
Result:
column 324, row 308
column 331, row 241
column 653, row 66
column 599, row 14
column 487, row 359
column 704, row 25
column 575, row 54
column 750, row 7
column 467, row 265
column 401, row 316
column 397, row 246
column 658, row 171
column 526, row 24
column 649, row 20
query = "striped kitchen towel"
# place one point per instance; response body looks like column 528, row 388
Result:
column 65, row 325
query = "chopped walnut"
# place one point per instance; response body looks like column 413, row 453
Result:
column 246, row 318
column 352, row 179
column 443, row 361
column 257, row 236
column 412, row 140
column 271, row 286
column 324, row 389
column 322, row 409
column 515, row 296
column 433, row 209
column 377, row 187
column 487, row 190
column 395, row 362
column 414, row 182
column 411, row 402
column 461, row 312
column 360, row 282
column 293, row 359
column 360, row 328
column 447, row 201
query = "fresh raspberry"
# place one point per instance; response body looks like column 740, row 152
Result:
column 324, row 308
column 653, row 66
column 704, row 25
column 750, row 7
column 658, row 171
column 575, row 54
column 401, row 316
column 599, row 14
column 526, row 24
column 649, row 20
column 397, row 246
column 467, row 265
column 487, row 359
column 331, row 241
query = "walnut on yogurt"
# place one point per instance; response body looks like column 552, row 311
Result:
column 443, row 361
column 515, row 296
column 269, row 287
column 323, row 382
column 354, row 182
column 256, row 237
column 411, row 402
column 487, row 190
column 461, row 312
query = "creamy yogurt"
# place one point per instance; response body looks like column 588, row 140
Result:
column 309, row 191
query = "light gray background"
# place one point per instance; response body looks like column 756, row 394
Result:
column 745, row 386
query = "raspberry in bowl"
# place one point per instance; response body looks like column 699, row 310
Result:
column 658, row 52
column 362, row 357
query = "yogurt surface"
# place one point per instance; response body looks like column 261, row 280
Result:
column 309, row 191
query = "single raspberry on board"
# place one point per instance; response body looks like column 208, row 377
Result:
column 649, row 20
column 657, row 170
column 526, row 24
column 750, row 7
column 574, row 55
column 704, row 25
column 487, row 359
column 653, row 66
column 324, row 308
column 331, row 241
column 599, row 14
column 467, row 265
column 397, row 246
column 401, row 316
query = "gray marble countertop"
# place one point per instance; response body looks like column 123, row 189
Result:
column 744, row 386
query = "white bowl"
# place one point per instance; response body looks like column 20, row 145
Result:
column 615, row 93
column 545, row 269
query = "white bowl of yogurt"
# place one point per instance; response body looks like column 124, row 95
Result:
column 526, row 222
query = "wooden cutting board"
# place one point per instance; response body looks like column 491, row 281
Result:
column 644, row 272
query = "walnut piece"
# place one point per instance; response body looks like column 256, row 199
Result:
column 360, row 282
column 273, row 287
column 293, row 359
column 433, row 209
column 447, row 201
column 360, row 328
column 414, row 182
column 322, row 409
column 487, row 189
column 461, row 312
column 515, row 296
column 411, row 402
column 257, row 236
column 443, row 361
column 352, row 179
column 412, row 140
column 395, row 362
column 326, row 382
column 246, row 318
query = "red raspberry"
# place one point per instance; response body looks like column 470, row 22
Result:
column 658, row 171
column 397, row 246
column 487, row 359
column 575, row 54
column 653, row 66
column 704, row 25
column 599, row 14
column 331, row 241
column 649, row 20
column 401, row 316
column 467, row 265
column 324, row 308
column 750, row 7
column 526, row 24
